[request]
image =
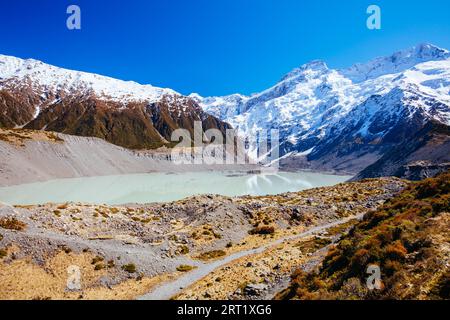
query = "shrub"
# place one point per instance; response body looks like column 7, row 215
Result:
column 99, row 266
column 111, row 264
column 390, row 267
column 114, row 210
column 426, row 190
column 322, row 242
column 97, row 259
column 185, row 268
column 184, row 249
column 65, row 248
column 3, row 253
column 262, row 230
column 130, row 268
column 396, row 251
column 211, row 255
column 385, row 237
column 62, row 206
column 12, row 224
column 359, row 260
column 147, row 220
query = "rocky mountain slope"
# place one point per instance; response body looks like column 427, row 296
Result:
column 39, row 96
column 344, row 120
column 423, row 155
column 407, row 238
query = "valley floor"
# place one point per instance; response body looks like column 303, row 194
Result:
column 137, row 251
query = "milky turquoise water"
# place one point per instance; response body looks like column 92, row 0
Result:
column 162, row 187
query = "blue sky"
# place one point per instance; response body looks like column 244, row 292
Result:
column 215, row 47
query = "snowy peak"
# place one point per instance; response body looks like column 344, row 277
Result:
column 398, row 62
column 16, row 71
column 314, row 68
column 314, row 85
column 427, row 52
column 38, row 96
column 363, row 110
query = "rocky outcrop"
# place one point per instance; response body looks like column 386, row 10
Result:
column 424, row 155
column 138, row 125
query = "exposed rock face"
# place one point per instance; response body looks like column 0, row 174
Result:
column 424, row 155
column 138, row 125
column 14, row 110
column 42, row 97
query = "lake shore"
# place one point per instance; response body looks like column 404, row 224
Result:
column 164, row 187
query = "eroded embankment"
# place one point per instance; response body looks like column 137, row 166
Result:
column 30, row 156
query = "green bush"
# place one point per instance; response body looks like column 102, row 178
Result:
column 130, row 268
column 185, row 268
column 262, row 230
column 211, row 255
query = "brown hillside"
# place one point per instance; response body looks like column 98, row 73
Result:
column 407, row 238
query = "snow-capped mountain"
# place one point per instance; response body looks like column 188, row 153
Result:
column 39, row 96
column 339, row 120
column 345, row 119
column 20, row 72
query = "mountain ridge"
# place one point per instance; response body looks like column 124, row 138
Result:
column 38, row 96
column 336, row 120
column 348, row 115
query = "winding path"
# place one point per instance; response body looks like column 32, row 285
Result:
column 169, row 289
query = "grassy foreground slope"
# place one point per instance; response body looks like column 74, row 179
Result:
column 408, row 238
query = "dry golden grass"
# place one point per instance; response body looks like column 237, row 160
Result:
column 225, row 280
column 211, row 255
column 18, row 137
column 24, row 280
column 254, row 268
column 12, row 223
column 407, row 238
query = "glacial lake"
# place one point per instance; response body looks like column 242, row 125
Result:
column 163, row 187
